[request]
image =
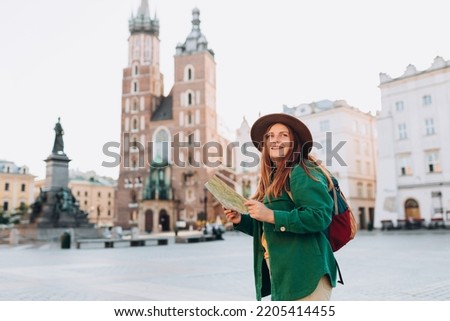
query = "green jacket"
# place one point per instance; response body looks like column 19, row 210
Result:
column 299, row 251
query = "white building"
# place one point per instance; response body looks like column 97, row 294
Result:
column 345, row 139
column 414, row 157
column 246, row 162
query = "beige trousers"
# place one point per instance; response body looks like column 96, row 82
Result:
column 321, row 293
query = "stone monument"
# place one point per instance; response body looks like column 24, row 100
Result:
column 56, row 207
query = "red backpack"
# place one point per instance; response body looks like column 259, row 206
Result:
column 343, row 227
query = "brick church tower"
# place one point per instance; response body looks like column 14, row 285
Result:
column 164, row 163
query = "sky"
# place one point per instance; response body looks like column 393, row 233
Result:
column 62, row 58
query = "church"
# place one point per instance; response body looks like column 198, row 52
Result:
column 170, row 144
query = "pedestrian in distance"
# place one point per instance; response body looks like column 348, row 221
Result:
column 288, row 214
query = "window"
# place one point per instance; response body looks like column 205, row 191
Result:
column 405, row 165
column 432, row 161
column 429, row 126
column 426, row 100
column 358, row 167
column 135, row 106
column 6, row 186
column 189, row 120
column 135, row 124
column 188, row 73
column 78, row 193
column 135, row 86
column 86, row 194
column 436, row 201
column 99, row 194
column 161, row 146
column 369, row 191
column 189, row 99
column 109, row 195
column 402, row 134
column 22, row 188
column 399, row 106
column 135, row 145
column 136, row 70
column 5, row 206
column 324, row 125
column 359, row 189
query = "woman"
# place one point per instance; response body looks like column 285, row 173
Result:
column 290, row 210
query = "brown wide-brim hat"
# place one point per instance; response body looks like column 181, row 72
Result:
column 300, row 130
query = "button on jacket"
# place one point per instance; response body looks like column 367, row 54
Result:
column 299, row 251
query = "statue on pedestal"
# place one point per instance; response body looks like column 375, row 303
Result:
column 58, row 145
column 56, row 206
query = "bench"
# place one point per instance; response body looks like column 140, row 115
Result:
column 195, row 238
column 436, row 222
column 109, row 243
column 387, row 225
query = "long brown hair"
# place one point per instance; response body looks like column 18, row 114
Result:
column 274, row 179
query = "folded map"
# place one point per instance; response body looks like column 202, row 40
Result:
column 226, row 195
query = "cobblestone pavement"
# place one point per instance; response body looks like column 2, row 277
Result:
column 376, row 266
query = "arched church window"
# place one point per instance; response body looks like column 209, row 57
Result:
column 135, row 87
column 135, row 125
column 188, row 73
column 161, row 148
column 135, row 106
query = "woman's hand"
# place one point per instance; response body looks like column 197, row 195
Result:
column 259, row 211
column 232, row 216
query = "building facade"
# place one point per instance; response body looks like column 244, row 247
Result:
column 414, row 158
column 16, row 187
column 345, row 141
column 171, row 144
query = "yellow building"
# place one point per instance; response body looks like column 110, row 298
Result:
column 16, row 187
column 95, row 195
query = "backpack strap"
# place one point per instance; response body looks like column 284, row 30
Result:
column 341, row 280
column 336, row 208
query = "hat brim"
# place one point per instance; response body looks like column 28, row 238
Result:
column 262, row 124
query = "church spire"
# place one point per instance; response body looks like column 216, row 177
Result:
column 142, row 22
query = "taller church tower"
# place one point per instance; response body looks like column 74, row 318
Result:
column 170, row 136
column 142, row 92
